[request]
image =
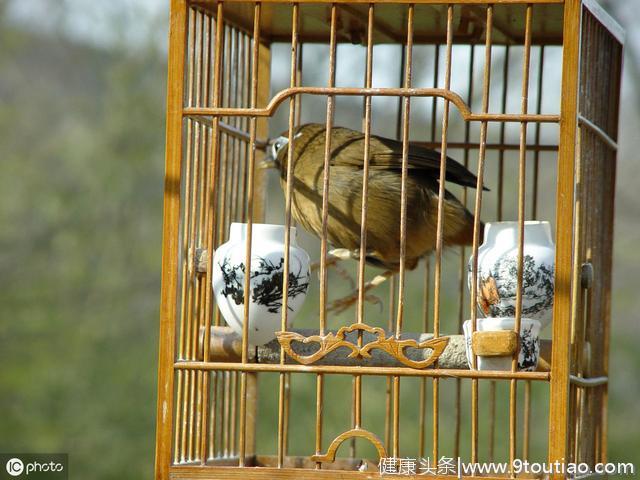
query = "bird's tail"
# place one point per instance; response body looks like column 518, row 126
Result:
column 459, row 223
column 465, row 235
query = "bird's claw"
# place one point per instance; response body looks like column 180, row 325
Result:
column 333, row 257
column 344, row 274
column 340, row 305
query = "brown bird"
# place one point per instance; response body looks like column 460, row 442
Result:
column 385, row 177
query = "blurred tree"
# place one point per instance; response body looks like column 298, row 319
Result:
column 81, row 142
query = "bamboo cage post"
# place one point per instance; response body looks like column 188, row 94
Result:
column 171, row 222
column 559, row 392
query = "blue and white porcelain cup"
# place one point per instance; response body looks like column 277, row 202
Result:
column 266, row 284
column 498, row 271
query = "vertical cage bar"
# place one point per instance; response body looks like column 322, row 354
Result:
column 193, row 378
column 393, row 285
column 220, row 416
column 214, row 417
column 403, row 222
column 199, row 159
column 209, row 234
column 536, row 154
column 224, row 140
column 579, row 304
column 387, row 407
column 260, row 81
column 186, row 284
column 250, row 207
column 325, row 218
column 526, row 433
column 232, row 414
column 211, row 215
column 492, row 419
column 287, row 233
column 427, row 269
column 486, row 87
column 182, row 339
column 357, row 417
column 236, row 159
column 286, row 413
column 287, row 378
column 534, row 215
column 171, row 226
column 434, row 100
column 226, row 387
column 499, row 216
column 365, row 168
column 202, row 222
column 403, row 191
column 299, row 80
column 226, row 202
column 463, row 264
column 326, row 170
column 522, row 170
column 440, row 225
column 246, row 122
column 505, row 90
column 422, row 400
column 319, row 407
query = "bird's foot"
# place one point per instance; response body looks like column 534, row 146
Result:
column 341, row 304
column 333, row 257
column 345, row 275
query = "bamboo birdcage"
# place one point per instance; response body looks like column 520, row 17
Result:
column 525, row 93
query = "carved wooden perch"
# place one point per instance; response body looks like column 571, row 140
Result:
column 226, row 346
column 392, row 346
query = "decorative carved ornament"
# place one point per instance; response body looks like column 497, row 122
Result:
column 392, row 346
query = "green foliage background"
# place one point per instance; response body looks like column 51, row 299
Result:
column 81, row 165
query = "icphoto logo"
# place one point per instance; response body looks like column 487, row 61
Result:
column 50, row 466
column 14, row 467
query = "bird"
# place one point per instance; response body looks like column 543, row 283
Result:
column 346, row 162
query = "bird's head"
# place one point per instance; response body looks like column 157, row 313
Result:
column 276, row 153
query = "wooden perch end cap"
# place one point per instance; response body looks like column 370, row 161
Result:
column 495, row 344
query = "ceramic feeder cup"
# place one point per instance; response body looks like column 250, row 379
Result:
column 266, row 285
column 498, row 271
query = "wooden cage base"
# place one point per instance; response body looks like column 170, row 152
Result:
column 295, row 467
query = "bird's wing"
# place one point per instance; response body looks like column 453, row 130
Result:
column 387, row 154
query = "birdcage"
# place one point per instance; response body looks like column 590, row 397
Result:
column 525, row 94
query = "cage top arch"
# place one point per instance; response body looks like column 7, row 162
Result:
column 430, row 20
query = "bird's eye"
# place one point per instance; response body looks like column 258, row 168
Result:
column 277, row 146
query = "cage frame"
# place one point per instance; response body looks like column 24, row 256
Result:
column 567, row 273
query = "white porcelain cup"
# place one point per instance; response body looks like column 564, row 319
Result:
column 266, row 284
column 498, row 271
